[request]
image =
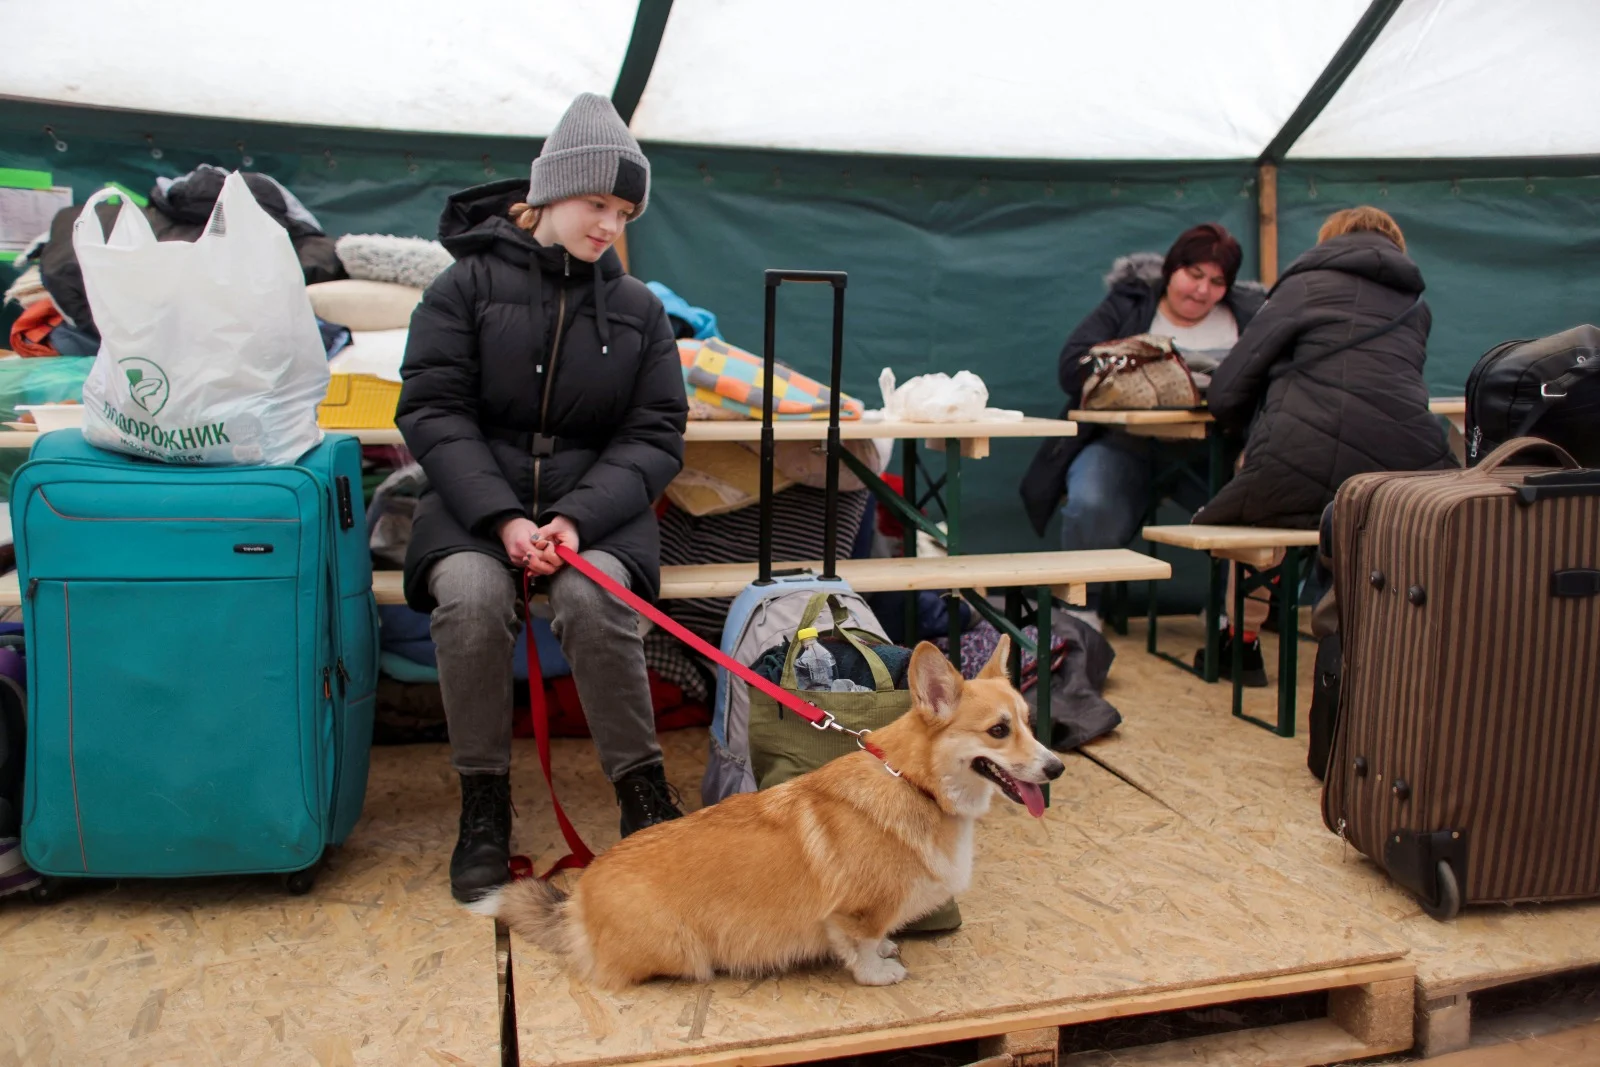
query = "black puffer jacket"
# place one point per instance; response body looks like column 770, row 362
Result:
column 1313, row 422
column 1135, row 290
column 491, row 361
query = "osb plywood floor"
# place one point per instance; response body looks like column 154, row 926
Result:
column 1252, row 791
column 1108, row 893
column 376, row 966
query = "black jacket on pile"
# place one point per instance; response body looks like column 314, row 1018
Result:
column 1136, row 288
column 1313, row 422
column 516, row 339
column 180, row 213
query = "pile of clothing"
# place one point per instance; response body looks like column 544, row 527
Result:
column 57, row 319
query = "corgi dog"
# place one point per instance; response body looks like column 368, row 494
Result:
column 822, row 866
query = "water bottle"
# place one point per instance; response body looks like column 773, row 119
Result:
column 813, row 667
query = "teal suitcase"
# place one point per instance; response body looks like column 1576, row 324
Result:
column 202, row 661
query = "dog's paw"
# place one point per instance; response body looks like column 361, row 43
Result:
column 888, row 949
column 878, row 971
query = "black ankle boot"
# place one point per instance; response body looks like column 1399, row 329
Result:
column 482, row 859
column 646, row 798
column 1255, row 665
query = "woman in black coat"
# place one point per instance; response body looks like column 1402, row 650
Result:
column 1190, row 295
column 1317, row 394
column 544, row 399
column 1326, row 382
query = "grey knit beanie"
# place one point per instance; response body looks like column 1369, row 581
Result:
column 590, row 151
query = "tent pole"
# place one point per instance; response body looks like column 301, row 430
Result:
column 649, row 24
column 1267, row 222
column 1323, row 90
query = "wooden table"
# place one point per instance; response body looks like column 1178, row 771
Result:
column 1168, row 425
column 1454, row 410
column 974, row 436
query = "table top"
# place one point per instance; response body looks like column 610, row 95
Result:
column 1163, row 417
column 750, row 430
column 1444, row 405
column 862, row 429
column 1210, row 538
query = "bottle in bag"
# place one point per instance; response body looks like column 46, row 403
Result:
column 813, row 666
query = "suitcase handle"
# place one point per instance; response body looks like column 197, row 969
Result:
column 1517, row 445
column 774, row 278
column 1538, row 487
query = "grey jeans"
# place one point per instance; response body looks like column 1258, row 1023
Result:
column 475, row 632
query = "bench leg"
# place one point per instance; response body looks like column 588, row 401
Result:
column 952, row 519
column 1288, row 638
column 1211, row 667
column 1236, row 626
column 1014, row 617
column 1150, row 608
column 1043, row 724
column 908, row 472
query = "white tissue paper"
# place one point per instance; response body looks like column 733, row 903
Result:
column 940, row 398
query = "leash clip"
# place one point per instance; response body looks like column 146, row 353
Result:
column 827, row 722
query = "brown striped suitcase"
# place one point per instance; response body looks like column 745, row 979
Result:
column 1466, row 759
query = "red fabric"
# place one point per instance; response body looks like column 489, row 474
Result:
column 888, row 525
column 673, row 710
column 32, row 327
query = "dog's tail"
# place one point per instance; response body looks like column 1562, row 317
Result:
column 534, row 909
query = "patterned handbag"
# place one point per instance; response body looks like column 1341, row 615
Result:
column 728, row 379
column 1138, row 373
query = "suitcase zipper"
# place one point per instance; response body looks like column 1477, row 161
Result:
column 550, row 377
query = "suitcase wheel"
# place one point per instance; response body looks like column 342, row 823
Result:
column 300, row 882
column 1449, row 902
column 48, row 891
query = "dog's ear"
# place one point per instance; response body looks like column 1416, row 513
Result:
column 1000, row 661
column 935, row 685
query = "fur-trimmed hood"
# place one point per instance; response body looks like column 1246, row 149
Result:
column 1144, row 268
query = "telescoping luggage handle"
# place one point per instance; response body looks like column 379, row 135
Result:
column 830, row 551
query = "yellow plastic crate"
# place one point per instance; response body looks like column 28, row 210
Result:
column 358, row 402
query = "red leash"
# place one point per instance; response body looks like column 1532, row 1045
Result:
column 580, row 856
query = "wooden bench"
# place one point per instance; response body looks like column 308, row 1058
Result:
column 1050, row 575
column 1252, row 551
column 1065, row 573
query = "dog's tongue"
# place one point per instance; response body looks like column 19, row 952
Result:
column 1033, row 797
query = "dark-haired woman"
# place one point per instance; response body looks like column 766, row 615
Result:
column 1190, row 295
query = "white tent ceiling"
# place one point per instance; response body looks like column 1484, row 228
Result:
column 1136, row 80
column 1031, row 79
column 507, row 69
column 1453, row 78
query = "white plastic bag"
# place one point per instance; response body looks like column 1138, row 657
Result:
column 209, row 351
column 939, row 398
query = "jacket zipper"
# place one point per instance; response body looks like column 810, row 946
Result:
column 550, row 376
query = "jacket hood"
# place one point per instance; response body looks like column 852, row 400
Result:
column 1144, row 268
column 478, row 221
column 1365, row 255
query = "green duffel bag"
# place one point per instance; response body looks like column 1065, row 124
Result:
column 785, row 746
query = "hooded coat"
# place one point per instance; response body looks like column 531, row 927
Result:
column 536, row 385
column 1316, row 411
column 1135, row 288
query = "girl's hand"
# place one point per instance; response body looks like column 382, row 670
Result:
column 517, row 536
column 558, row 531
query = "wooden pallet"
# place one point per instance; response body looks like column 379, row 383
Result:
column 1110, row 906
column 1444, row 1009
column 1253, row 792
